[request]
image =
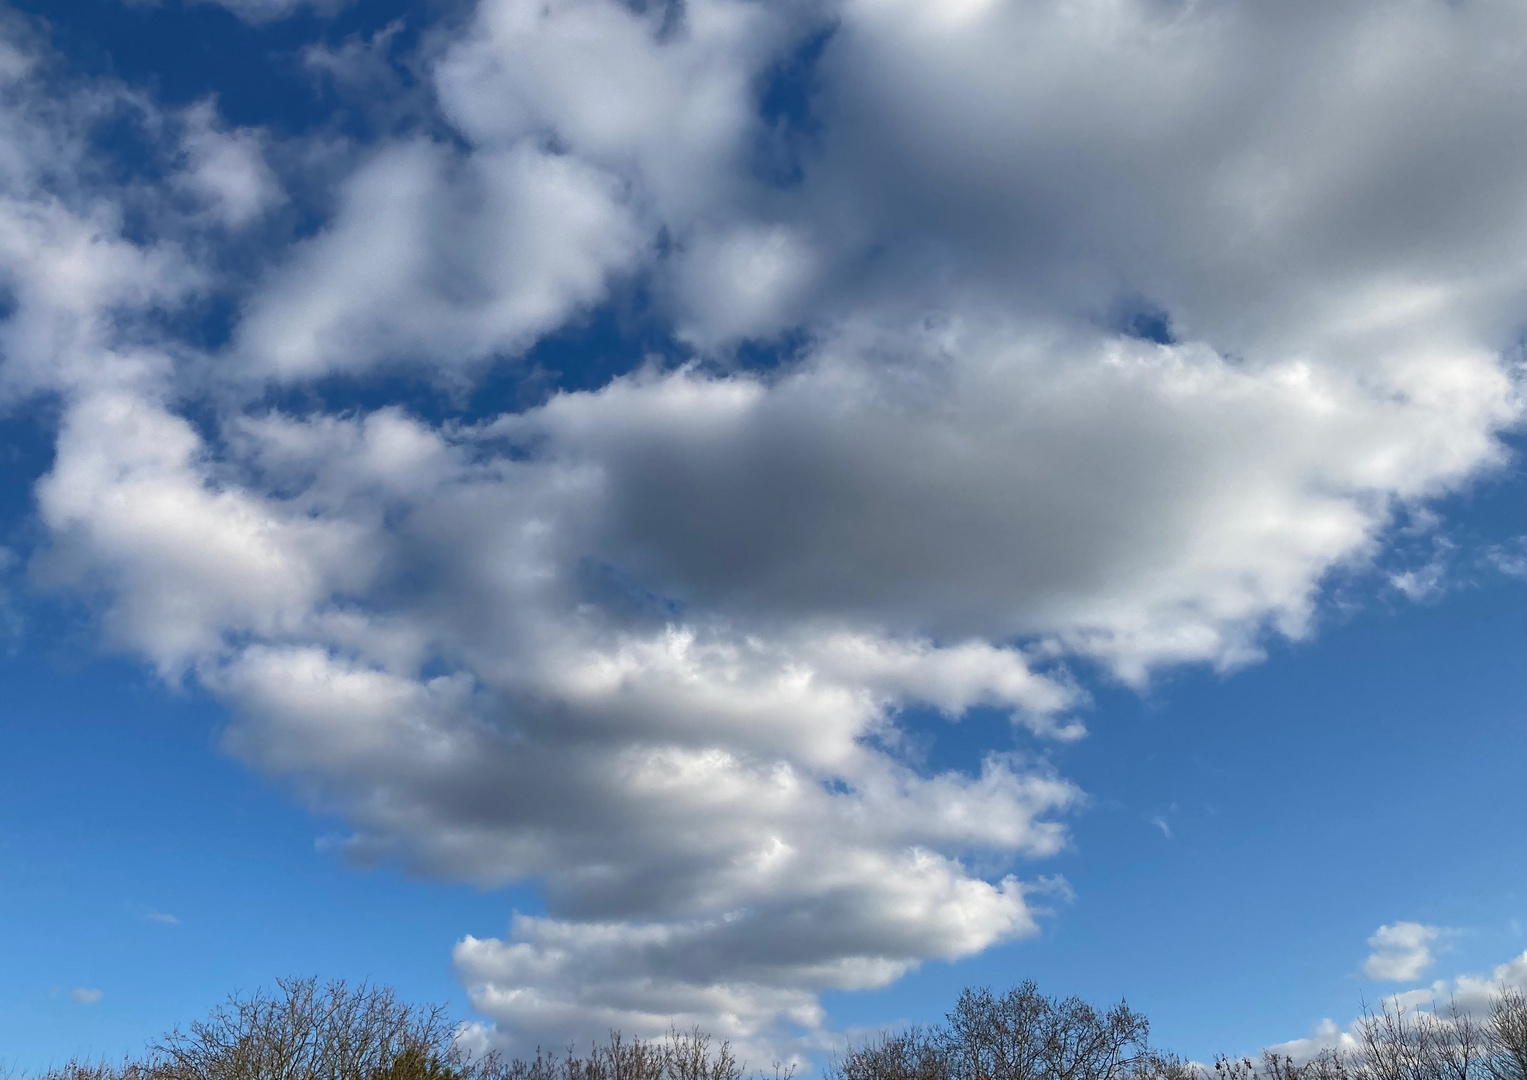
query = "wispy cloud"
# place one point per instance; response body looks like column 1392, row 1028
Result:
column 85, row 995
column 1509, row 559
column 162, row 917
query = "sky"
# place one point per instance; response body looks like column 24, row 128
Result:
column 759, row 515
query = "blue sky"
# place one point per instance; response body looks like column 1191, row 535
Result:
column 760, row 515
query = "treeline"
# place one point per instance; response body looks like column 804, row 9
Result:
column 1024, row 1035
column 304, row 1031
column 1404, row 1044
column 336, row 1032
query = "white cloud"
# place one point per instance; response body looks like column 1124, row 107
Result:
column 666, row 97
column 1474, row 991
column 653, row 644
column 746, row 283
column 1402, row 951
column 745, row 970
column 132, row 511
column 80, row 298
column 162, row 917
column 435, row 259
column 226, row 170
column 85, row 995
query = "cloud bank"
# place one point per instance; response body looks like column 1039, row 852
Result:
column 1098, row 333
column 1470, row 994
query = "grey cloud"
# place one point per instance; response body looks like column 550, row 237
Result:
column 1266, row 171
column 1151, row 502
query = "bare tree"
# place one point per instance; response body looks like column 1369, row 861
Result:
column 1022, row 1035
column 917, row 1053
column 1392, row 1044
column 308, row 1032
column 1506, row 1036
column 1459, row 1044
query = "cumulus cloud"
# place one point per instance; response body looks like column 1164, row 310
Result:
column 1474, row 991
column 653, row 644
column 1040, row 468
column 435, row 259
column 763, row 795
column 80, row 296
column 226, row 170
column 1402, row 951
